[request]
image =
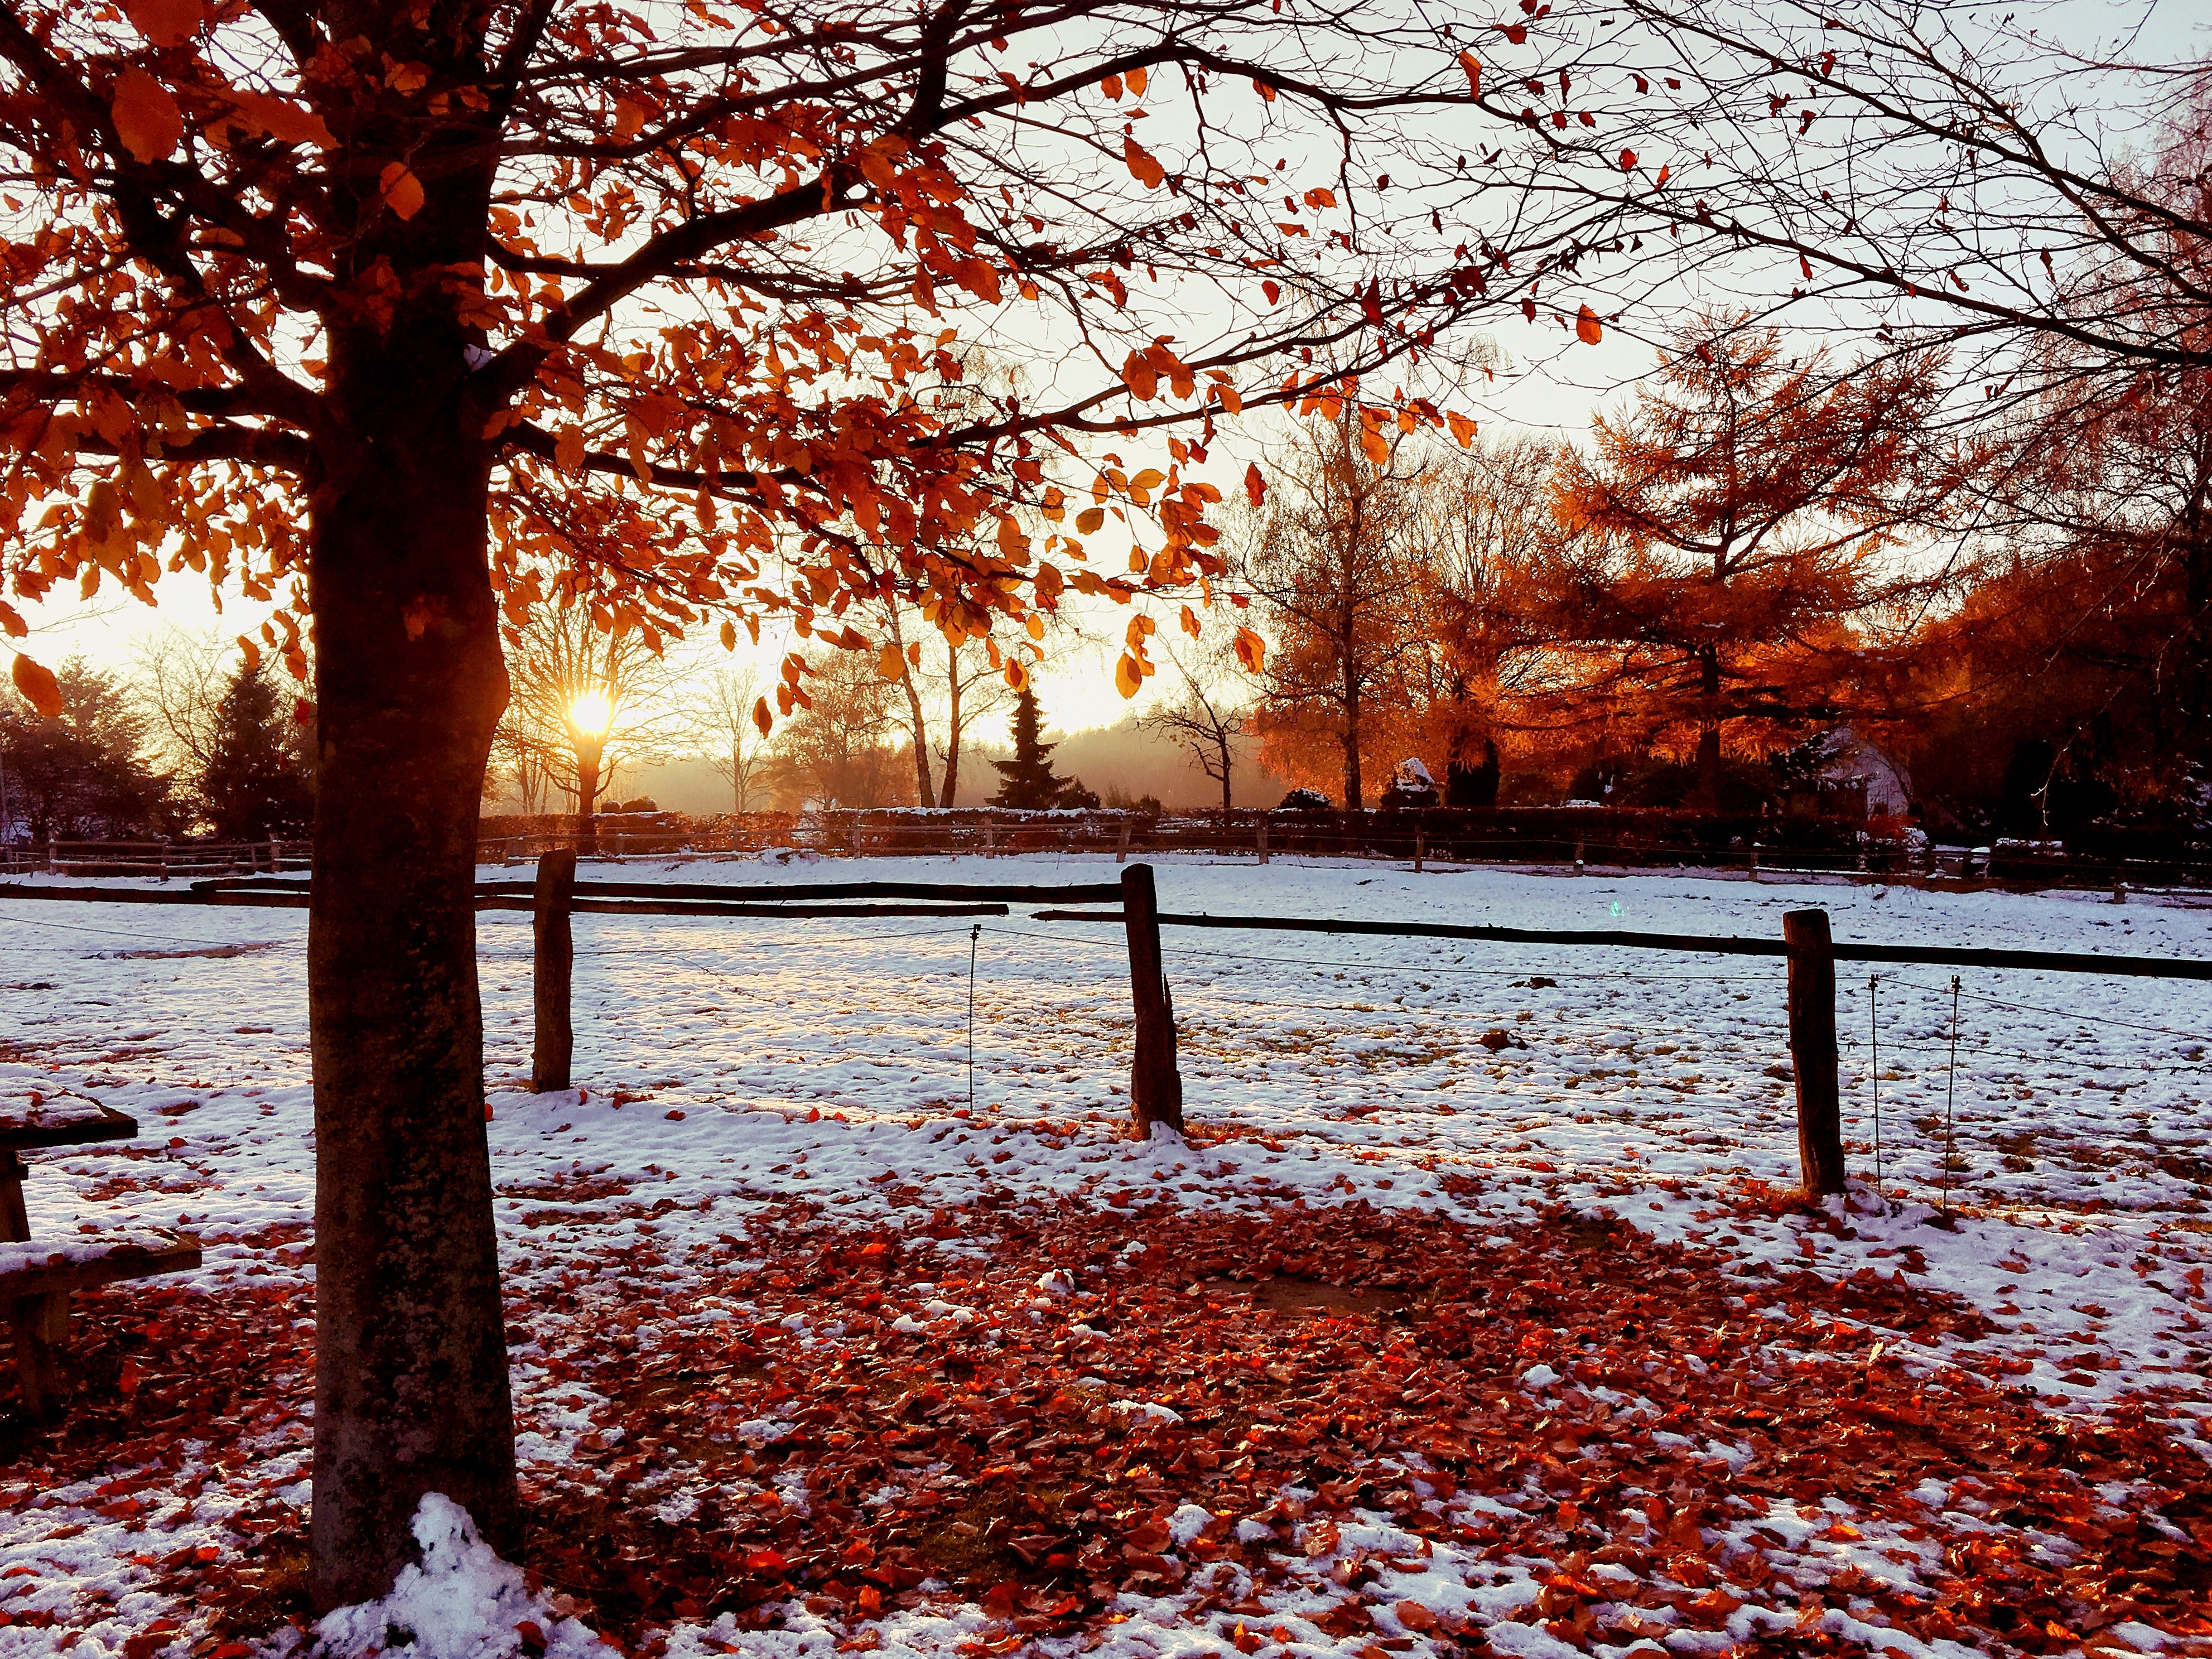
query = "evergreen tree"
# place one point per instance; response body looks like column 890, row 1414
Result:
column 1027, row 781
column 258, row 779
column 83, row 773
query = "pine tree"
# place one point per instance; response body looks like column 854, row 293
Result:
column 1027, row 781
column 256, row 782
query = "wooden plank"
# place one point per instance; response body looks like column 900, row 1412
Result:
column 63, row 1123
column 2063, row 962
column 755, row 892
column 24, row 1283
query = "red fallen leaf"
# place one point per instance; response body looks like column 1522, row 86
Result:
column 1246, row 1641
column 1415, row 1616
column 998, row 1601
column 766, row 1561
column 533, row 1638
column 870, row 1602
column 676, row 1116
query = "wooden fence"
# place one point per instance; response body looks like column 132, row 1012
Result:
column 1558, row 838
column 163, row 859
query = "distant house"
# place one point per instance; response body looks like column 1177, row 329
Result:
column 1852, row 776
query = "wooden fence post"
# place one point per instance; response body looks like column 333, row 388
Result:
column 990, row 838
column 1579, row 855
column 1263, row 840
column 1121, row 846
column 1155, row 1085
column 1420, row 850
column 555, row 968
column 1754, row 861
column 1812, row 1049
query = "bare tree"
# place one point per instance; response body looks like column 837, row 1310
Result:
column 179, row 674
column 722, row 724
column 1210, row 717
column 585, row 700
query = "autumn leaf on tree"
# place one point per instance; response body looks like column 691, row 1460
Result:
column 147, row 118
column 1588, row 328
column 37, row 685
column 1147, row 171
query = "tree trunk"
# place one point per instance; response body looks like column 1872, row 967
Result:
column 411, row 1390
column 952, row 779
column 1227, row 794
column 923, row 793
column 1709, row 729
column 1351, row 789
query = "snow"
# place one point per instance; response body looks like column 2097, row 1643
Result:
column 730, row 1066
column 461, row 1602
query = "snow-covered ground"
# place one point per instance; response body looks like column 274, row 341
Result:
column 734, row 1068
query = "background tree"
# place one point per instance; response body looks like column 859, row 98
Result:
column 1026, row 781
column 587, row 699
column 384, row 308
column 1487, row 522
column 258, row 778
column 2042, row 209
column 1735, row 512
column 1333, row 560
column 835, row 751
column 179, row 677
column 723, row 723
column 1210, row 717
column 84, row 772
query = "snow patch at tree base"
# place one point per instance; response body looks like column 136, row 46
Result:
column 462, row 1602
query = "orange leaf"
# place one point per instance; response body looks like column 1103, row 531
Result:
column 1587, row 329
column 1467, row 61
column 1017, row 676
column 1517, row 33
column 1128, row 677
column 401, row 189
column 1251, row 650
column 1149, row 173
column 1138, row 77
column 1255, row 487
column 891, row 663
column 1462, row 429
column 166, row 22
column 761, row 718
column 1628, row 161
column 1111, row 86
column 1378, row 448
column 147, row 119
column 1266, row 92
column 1140, row 377
column 568, row 449
column 37, row 686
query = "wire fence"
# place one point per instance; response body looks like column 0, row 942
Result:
column 1944, row 1100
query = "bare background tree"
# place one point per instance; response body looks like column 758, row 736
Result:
column 721, row 720
column 1213, row 711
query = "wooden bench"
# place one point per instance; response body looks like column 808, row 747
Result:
column 37, row 1279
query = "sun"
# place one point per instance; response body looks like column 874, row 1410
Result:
column 591, row 714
